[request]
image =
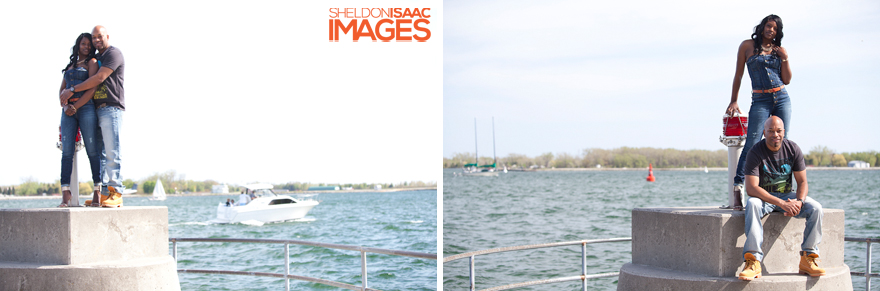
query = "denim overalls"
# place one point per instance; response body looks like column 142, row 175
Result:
column 87, row 121
column 764, row 72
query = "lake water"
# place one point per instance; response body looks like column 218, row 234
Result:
column 405, row 220
column 521, row 208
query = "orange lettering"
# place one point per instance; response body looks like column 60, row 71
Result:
column 422, row 29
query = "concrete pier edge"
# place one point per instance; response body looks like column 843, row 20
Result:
column 86, row 249
column 700, row 248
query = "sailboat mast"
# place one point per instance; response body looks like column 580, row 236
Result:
column 476, row 155
column 494, row 158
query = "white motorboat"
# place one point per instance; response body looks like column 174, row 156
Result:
column 264, row 205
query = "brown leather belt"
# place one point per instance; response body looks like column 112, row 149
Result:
column 102, row 105
column 774, row 90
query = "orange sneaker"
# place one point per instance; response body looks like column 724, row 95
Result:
column 114, row 199
column 752, row 269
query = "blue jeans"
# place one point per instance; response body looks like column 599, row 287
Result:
column 763, row 106
column 87, row 121
column 110, row 120
column 757, row 208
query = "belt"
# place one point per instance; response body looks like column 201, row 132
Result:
column 102, row 105
column 774, row 90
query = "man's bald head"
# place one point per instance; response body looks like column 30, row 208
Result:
column 774, row 132
column 100, row 38
column 773, row 121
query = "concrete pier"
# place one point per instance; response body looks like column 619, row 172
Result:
column 86, row 248
column 700, row 248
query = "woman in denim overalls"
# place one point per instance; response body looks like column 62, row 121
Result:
column 78, row 112
column 769, row 71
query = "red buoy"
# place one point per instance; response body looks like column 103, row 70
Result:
column 650, row 173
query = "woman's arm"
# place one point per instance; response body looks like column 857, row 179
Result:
column 63, row 85
column 741, row 56
column 784, row 70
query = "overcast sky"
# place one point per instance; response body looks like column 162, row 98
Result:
column 563, row 76
column 237, row 92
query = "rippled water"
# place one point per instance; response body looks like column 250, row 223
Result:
column 404, row 220
column 540, row 207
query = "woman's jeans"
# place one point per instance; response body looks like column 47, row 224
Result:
column 763, row 106
column 757, row 208
column 87, row 121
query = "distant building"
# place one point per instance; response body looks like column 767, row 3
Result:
column 220, row 189
column 323, row 188
column 377, row 187
column 859, row 164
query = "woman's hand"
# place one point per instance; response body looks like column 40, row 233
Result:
column 69, row 109
column 782, row 53
column 733, row 107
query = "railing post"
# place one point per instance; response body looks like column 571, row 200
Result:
column 364, row 270
column 174, row 250
column 471, row 260
column 584, row 265
column 868, row 269
column 287, row 266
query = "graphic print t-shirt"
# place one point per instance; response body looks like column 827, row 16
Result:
column 111, row 91
column 774, row 169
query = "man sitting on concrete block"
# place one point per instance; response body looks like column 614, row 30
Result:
column 770, row 166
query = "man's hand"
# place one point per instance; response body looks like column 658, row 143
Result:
column 65, row 94
column 791, row 207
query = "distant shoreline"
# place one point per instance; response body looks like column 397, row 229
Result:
column 715, row 169
column 388, row 190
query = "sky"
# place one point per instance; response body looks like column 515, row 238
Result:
column 564, row 76
column 236, row 92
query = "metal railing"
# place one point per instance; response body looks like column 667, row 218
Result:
column 867, row 273
column 583, row 277
column 287, row 276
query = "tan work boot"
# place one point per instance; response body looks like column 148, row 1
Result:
column 810, row 265
column 115, row 199
column 752, row 269
column 98, row 204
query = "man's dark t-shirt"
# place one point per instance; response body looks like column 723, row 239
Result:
column 774, row 169
column 111, row 91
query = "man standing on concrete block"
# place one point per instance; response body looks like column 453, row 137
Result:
column 110, row 102
column 770, row 166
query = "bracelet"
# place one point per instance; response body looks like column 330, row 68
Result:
column 785, row 60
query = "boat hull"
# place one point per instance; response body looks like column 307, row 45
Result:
column 264, row 212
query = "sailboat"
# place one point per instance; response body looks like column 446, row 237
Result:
column 158, row 191
column 485, row 170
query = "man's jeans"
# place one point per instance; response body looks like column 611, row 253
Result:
column 110, row 120
column 757, row 208
column 763, row 106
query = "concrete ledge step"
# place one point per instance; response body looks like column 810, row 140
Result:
column 642, row 277
column 135, row 274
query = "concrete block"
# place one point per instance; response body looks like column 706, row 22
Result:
column 641, row 277
column 86, row 249
column 81, row 235
column 708, row 241
column 135, row 274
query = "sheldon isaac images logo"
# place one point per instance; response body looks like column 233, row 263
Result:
column 380, row 24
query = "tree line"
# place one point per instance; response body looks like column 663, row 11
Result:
column 627, row 157
column 174, row 183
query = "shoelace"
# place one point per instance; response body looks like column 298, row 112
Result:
column 813, row 261
column 750, row 265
